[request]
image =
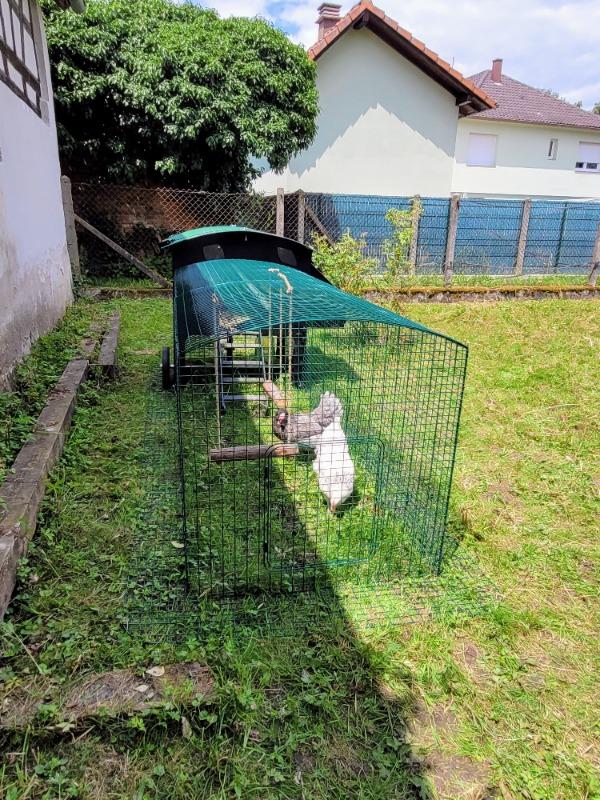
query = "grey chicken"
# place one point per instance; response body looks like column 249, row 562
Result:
column 307, row 428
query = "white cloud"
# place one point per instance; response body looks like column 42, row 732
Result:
column 552, row 44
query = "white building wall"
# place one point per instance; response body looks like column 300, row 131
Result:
column 35, row 275
column 384, row 127
column 522, row 166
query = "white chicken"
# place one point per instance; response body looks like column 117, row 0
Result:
column 333, row 464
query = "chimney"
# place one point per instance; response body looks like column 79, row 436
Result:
column 497, row 70
column 329, row 15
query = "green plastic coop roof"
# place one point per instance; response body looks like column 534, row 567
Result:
column 197, row 233
column 228, row 296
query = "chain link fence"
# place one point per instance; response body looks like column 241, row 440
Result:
column 495, row 238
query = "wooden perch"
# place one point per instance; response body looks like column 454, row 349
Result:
column 253, row 452
column 275, row 394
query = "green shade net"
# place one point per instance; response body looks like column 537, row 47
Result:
column 228, row 296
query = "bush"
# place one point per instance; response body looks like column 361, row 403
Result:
column 344, row 263
column 397, row 249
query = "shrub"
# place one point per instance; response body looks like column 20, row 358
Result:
column 397, row 248
column 344, row 263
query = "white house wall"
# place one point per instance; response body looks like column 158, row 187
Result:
column 384, row 127
column 35, row 276
column 522, row 166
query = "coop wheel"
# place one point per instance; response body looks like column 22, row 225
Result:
column 166, row 369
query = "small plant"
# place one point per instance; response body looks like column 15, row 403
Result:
column 397, row 249
column 344, row 263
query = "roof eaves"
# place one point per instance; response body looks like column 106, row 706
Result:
column 365, row 9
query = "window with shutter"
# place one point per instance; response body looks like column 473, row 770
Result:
column 482, row 150
column 19, row 67
column 588, row 158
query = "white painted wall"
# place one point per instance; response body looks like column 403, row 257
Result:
column 522, row 167
column 384, row 127
column 35, row 275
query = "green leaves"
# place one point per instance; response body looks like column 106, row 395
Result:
column 150, row 91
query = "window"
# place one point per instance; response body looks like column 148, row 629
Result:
column 212, row 252
column 482, row 150
column 286, row 256
column 588, row 159
column 553, row 149
column 19, row 67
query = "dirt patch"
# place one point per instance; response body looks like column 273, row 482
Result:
column 107, row 773
column 345, row 760
column 453, row 776
column 305, row 760
column 468, row 656
column 119, row 692
column 512, row 510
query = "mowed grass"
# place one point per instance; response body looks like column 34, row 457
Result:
column 501, row 705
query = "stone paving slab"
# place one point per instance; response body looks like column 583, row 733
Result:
column 114, row 693
column 23, row 490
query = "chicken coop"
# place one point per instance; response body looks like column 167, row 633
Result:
column 316, row 430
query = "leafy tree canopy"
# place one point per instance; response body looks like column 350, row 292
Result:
column 150, row 91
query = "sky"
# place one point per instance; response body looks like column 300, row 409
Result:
column 545, row 43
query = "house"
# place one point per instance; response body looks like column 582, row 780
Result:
column 396, row 119
column 35, row 273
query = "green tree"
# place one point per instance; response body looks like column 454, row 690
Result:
column 150, row 91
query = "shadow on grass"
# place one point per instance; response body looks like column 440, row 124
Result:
column 306, row 707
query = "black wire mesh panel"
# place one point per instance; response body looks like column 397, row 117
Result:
column 317, row 434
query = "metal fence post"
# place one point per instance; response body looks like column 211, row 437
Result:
column 593, row 278
column 414, row 241
column 525, row 214
column 71, row 232
column 280, row 213
column 301, row 216
column 451, row 238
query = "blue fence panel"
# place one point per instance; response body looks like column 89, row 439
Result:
column 579, row 228
column 433, row 232
column 560, row 236
column 487, row 236
column 543, row 236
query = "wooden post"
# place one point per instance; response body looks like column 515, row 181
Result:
column 275, row 394
column 448, row 272
column 526, row 213
column 280, row 213
column 72, row 247
column 123, row 253
column 596, row 250
column 451, row 238
column 301, row 215
column 414, row 241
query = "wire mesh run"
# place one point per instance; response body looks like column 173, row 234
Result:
column 159, row 607
column 315, row 444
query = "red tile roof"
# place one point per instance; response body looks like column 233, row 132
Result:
column 472, row 97
column 518, row 102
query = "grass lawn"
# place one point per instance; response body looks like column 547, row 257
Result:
column 501, row 705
